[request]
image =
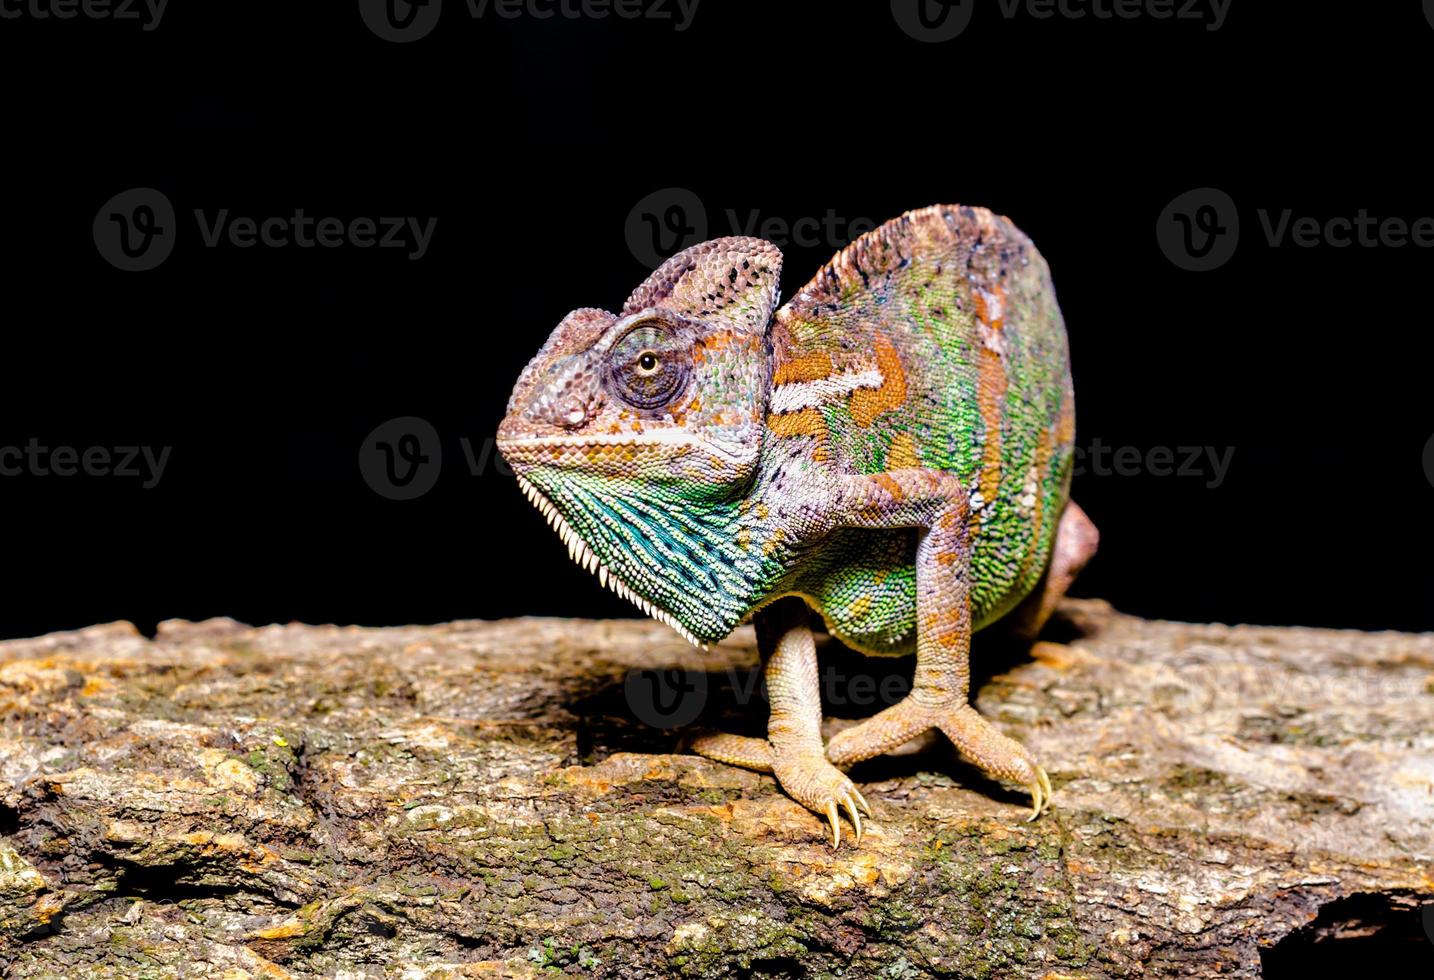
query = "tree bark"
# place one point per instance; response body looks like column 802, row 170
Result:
column 501, row 799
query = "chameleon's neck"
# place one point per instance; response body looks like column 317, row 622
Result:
column 735, row 550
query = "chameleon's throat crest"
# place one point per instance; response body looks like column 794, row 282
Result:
column 580, row 552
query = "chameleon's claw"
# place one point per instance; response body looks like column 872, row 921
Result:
column 1040, row 793
column 850, row 805
column 861, row 801
column 836, row 825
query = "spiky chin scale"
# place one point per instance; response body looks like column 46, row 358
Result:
column 580, row 552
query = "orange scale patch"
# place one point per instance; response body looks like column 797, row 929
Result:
column 807, row 422
column 808, row 367
column 1065, row 427
column 902, row 453
column 990, row 394
column 867, row 403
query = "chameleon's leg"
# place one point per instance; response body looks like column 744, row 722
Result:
column 934, row 502
column 1076, row 543
column 793, row 750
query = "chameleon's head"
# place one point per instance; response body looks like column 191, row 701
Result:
column 636, row 433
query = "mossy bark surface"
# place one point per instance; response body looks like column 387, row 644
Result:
column 484, row 799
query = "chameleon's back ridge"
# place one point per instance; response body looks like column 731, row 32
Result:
column 892, row 449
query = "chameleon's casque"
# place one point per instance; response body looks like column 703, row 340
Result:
column 893, row 445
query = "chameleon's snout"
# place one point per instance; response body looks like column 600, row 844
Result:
column 569, row 397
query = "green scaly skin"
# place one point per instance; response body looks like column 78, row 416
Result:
column 893, row 446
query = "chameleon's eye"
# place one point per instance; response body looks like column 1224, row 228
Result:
column 646, row 368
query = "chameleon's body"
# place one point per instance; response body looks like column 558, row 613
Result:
column 957, row 326
column 894, row 446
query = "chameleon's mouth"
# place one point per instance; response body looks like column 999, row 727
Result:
column 580, row 552
column 591, row 450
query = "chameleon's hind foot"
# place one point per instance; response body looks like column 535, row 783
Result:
column 995, row 754
column 805, row 774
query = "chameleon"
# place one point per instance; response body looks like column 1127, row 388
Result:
column 891, row 449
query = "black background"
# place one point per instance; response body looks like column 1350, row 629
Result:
column 532, row 140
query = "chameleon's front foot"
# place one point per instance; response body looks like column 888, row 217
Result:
column 821, row 787
column 803, row 772
column 995, row 754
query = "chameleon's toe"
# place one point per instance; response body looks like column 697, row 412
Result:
column 735, row 750
column 850, row 802
column 1040, row 793
column 997, row 755
column 881, row 733
column 824, row 789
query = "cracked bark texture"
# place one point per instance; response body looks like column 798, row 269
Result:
column 481, row 799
